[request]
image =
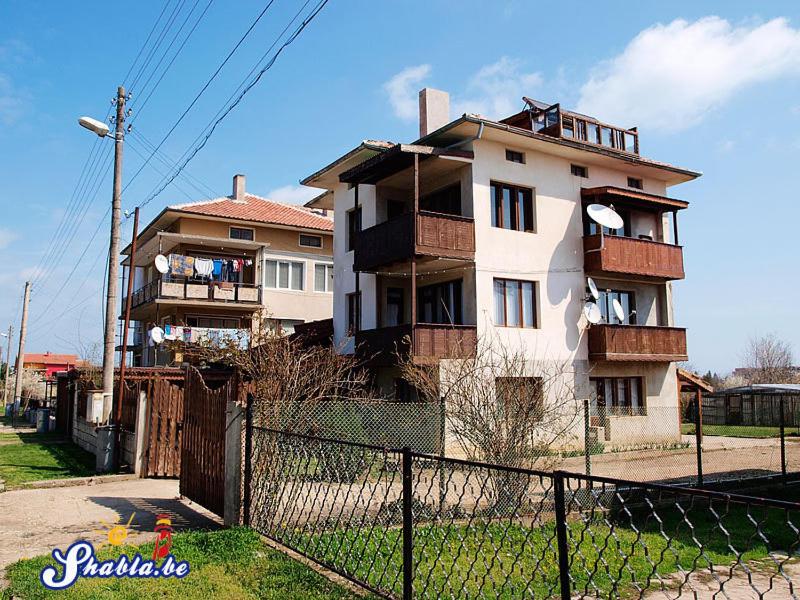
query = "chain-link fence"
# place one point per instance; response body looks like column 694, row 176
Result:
column 407, row 524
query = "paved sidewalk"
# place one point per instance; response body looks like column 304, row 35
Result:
column 33, row 522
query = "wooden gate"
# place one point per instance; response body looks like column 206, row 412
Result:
column 203, row 449
column 166, row 423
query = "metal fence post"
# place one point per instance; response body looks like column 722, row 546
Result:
column 698, row 435
column 782, row 422
column 408, row 527
column 561, row 533
column 586, row 430
column 248, row 458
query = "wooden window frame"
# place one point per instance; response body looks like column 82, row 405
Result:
column 534, row 307
column 511, row 156
column 352, row 232
column 579, row 170
column 496, row 195
column 353, row 328
column 310, row 235
column 636, row 183
column 615, row 404
column 250, row 229
column 605, row 294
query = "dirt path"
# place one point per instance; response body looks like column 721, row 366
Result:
column 33, row 522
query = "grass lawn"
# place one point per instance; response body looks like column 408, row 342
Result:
column 743, row 431
column 505, row 560
column 37, row 456
column 226, row 564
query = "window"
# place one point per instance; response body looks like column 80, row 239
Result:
column 353, row 312
column 310, row 241
column 353, row 226
column 635, row 183
column 241, row 233
column 395, row 208
column 567, row 127
column 520, row 395
column 619, row 396
column 282, row 326
column 626, row 299
column 440, row 303
column 579, row 171
column 395, row 307
column 591, row 228
column 514, row 156
column 323, row 278
column 284, row 275
column 514, row 303
column 512, row 207
column 446, row 200
column 213, row 322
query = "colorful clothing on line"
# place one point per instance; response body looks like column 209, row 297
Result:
column 180, row 265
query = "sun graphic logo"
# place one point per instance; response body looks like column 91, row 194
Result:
column 115, row 533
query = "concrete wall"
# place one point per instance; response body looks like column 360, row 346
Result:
column 83, row 431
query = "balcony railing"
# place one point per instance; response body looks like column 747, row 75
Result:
column 439, row 235
column 425, row 341
column 159, row 289
column 637, row 343
column 630, row 256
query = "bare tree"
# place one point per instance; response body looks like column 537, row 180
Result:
column 768, row 359
column 503, row 404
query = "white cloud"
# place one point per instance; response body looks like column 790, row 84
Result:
column 6, row 237
column 496, row 90
column 293, row 194
column 670, row 77
column 402, row 91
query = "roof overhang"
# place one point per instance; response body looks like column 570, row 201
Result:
column 322, row 202
column 632, row 197
column 328, row 177
column 396, row 159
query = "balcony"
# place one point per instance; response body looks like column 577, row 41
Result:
column 427, row 343
column 171, row 291
column 629, row 256
column 637, row 343
column 437, row 235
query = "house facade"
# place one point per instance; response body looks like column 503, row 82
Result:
column 478, row 231
column 230, row 262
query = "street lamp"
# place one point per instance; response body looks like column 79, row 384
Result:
column 8, row 362
column 107, row 440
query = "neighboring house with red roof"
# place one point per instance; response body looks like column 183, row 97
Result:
column 229, row 260
column 48, row 364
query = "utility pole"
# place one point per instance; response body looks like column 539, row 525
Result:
column 9, row 335
column 113, row 261
column 23, row 330
column 127, row 323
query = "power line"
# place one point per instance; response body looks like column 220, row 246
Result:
column 236, row 102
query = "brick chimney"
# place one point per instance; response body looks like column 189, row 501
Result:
column 239, row 189
column 434, row 110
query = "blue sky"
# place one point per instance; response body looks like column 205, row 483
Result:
column 712, row 86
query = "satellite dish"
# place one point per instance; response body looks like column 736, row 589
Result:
column 618, row 309
column 592, row 312
column 605, row 216
column 593, row 288
column 162, row 264
column 157, row 335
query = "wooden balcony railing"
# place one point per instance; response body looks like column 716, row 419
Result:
column 425, row 341
column 637, row 343
column 630, row 256
column 438, row 235
column 187, row 290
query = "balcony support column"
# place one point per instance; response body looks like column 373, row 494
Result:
column 357, row 273
column 413, row 255
column 675, row 227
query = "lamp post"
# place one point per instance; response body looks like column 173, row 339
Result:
column 9, row 336
column 105, row 460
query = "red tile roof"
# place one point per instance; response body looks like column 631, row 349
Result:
column 258, row 209
column 50, row 359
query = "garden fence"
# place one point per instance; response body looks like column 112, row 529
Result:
column 407, row 524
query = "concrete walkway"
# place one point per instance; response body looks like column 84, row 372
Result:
column 33, row 522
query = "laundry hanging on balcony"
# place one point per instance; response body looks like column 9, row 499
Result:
column 204, row 266
column 180, row 265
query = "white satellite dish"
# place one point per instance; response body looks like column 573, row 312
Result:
column 162, row 264
column 592, row 312
column 157, row 335
column 593, row 288
column 618, row 310
column 605, row 216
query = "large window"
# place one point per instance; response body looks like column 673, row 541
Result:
column 626, row 299
column 514, row 303
column 592, row 228
column 446, row 200
column 353, row 312
column 512, row 207
column 395, row 306
column 353, row 226
column 284, row 275
column 619, row 396
column 440, row 303
column 323, row 278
